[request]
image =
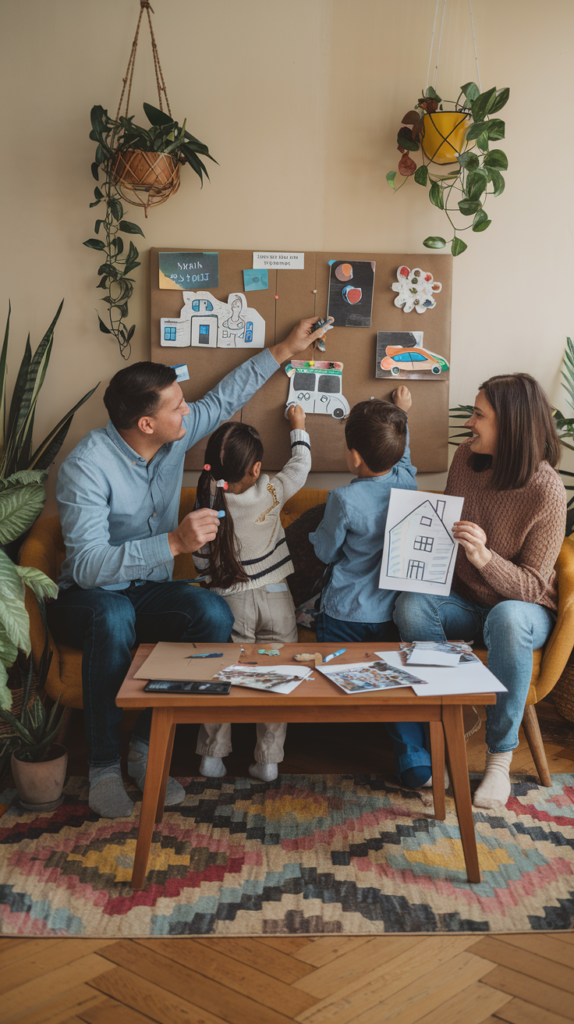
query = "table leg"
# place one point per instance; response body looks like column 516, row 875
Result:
column 161, row 798
column 454, row 735
column 161, row 725
column 437, row 762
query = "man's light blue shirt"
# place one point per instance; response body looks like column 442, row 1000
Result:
column 350, row 538
column 116, row 509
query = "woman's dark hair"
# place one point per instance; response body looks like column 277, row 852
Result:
column 231, row 451
column 135, row 391
column 526, row 431
column 377, row 430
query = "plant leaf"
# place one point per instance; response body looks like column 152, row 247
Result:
column 495, row 129
column 481, row 221
column 476, row 184
column 470, row 90
column 116, row 209
column 103, row 328
column 431, row 94
column 458, row 246
column 436, row 195
column 480, row 105
column 95, row 243
column 129, row 228
column 391, row 178
column 468, row 207
column 434, row 242
column 22, row 498
column 46, row 451
column 498, row 182
column 482, row 142
column 500, row 101
column 405, row 139
column 476, row 129
column 496, row 158
column 469, row 161
column 13, row 614
column 421, row 175
column 37, row 580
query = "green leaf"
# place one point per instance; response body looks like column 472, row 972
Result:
column 468, row 207
column 95, row 243
column 480, row 106
column 496, row 158
column 39, row 583
column 476, row 129
column 469, row 161
column 436, row 195
column 500, row 101
column 470, row 90
column 482, row 142
column 434, row 242
column 3, row 368
column 405, row 139
column 97, row 226
column 131, row 332
column 108, row 269
column 498, row 182
column 431, row 94
column 116, row 209
column 118, row 245
column 22, row 498
column 8, row 653
column 495, row 129
column 103, row 328
column 476, row 183
column 391, row 178
column 129, row 228
column 458, row 246
column 13, row 614
column 421, row 175
column 481, row 221
column 95, row 168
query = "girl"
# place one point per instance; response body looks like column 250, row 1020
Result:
column 248, row 562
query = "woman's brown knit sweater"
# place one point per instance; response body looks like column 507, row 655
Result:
column 524, row 530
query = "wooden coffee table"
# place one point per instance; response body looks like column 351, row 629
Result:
column 314, row 700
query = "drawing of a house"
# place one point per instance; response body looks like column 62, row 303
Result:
column 420, row 546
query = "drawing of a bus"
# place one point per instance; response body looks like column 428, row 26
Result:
column 317, row 387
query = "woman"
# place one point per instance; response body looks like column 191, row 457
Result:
column 504, row 586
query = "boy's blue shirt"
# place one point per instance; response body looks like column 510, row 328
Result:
column 350, row 538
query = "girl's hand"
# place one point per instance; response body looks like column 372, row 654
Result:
column 296, row 417
column 473, row 539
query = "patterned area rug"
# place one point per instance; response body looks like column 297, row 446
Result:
column 332, row 854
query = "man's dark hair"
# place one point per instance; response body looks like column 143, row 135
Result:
column 526, row 431
column 377, row 430
column 135, row 391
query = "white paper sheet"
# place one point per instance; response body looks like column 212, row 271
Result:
column 278, row 260
column 438, row 658
column 262, row 670
column 420, row 551
column 441, row 682
column 348, row 677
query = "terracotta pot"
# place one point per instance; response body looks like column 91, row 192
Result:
column 40, row 783
column 152, row 170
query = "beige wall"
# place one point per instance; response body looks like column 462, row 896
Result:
column 300, row 101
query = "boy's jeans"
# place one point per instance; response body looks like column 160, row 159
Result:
column 512, row 630
column 106, row 624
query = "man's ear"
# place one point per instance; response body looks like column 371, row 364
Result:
column 145, row 424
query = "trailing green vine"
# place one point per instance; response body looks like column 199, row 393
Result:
column 479, row 175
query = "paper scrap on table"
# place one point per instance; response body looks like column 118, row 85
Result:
column 438, row 682
column 278, row 260
column 263, row 678
column 173, row 661
column 360, row 677
column 430, row 652
column 420, row 550
column 255, row 280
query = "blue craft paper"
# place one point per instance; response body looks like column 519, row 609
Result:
column 255, row 280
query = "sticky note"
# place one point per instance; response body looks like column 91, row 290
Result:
column 181, row 370
column 255, row 280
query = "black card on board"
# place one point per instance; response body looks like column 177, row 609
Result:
column 351, row 284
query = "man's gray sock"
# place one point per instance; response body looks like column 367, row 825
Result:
column 107, row 796
column 137, row 766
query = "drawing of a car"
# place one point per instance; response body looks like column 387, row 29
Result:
column 398, row 359
column 317, row 387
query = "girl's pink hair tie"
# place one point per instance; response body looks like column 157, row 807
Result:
column 207, row 467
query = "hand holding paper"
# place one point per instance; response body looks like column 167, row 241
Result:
column 473, row 539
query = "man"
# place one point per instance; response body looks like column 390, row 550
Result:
column 118, row 495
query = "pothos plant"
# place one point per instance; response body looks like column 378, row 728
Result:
column 164, row 135
column 462, row 191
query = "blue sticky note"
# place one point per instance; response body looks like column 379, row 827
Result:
column 255, row 280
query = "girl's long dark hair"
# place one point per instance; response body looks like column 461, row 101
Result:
column 231, row 451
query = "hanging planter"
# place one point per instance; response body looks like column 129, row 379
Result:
column 139, row 166
column 446, row 137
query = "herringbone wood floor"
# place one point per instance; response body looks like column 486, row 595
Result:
column 521, row 979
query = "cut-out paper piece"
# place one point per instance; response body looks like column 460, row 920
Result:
column 400, row 354
column 419, row 550
column 206, row 322
column 278, row 260
column 255, row 280
column 417, row 289
column 181, row 372
column 179, row 270
column 317, row 387
column 351, row 304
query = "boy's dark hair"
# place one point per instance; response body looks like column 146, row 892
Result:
column 526, row 431
column 231, row 451
column 135, row 391
column 377, row 430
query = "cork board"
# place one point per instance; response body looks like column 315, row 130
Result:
column 355, row 347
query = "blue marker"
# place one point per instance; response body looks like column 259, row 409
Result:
column 335, row 654
column 221, row 514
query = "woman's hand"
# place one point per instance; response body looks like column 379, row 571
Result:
column 473, row 539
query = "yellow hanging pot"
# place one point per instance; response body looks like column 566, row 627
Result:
column 442, row 135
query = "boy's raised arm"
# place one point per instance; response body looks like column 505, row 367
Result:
column 329, row 537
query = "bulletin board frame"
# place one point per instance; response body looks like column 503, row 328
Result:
column 303, row 293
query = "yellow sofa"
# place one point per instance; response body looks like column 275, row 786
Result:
column 44, row 549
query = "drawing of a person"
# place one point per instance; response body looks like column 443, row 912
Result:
column 235, row 324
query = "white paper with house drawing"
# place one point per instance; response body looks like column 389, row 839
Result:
column 207, row 322
column 420, row 550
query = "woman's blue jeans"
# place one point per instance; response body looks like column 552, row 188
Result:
column 106, row 624
column 512, row 630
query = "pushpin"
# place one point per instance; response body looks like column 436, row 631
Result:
column 314, row 291
column 276, row 296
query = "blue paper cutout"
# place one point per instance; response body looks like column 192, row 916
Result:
column 255, row 280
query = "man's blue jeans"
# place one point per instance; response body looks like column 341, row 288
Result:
column 106, row 624
column 512, row 630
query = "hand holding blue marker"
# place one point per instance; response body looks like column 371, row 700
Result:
column 221, row 514
column 335, row 654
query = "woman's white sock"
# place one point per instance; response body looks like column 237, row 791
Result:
column 494, row 789
column 212, row 767
column 264, row 772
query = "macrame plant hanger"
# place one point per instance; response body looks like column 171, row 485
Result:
column 144, row 179
column 440, row 42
